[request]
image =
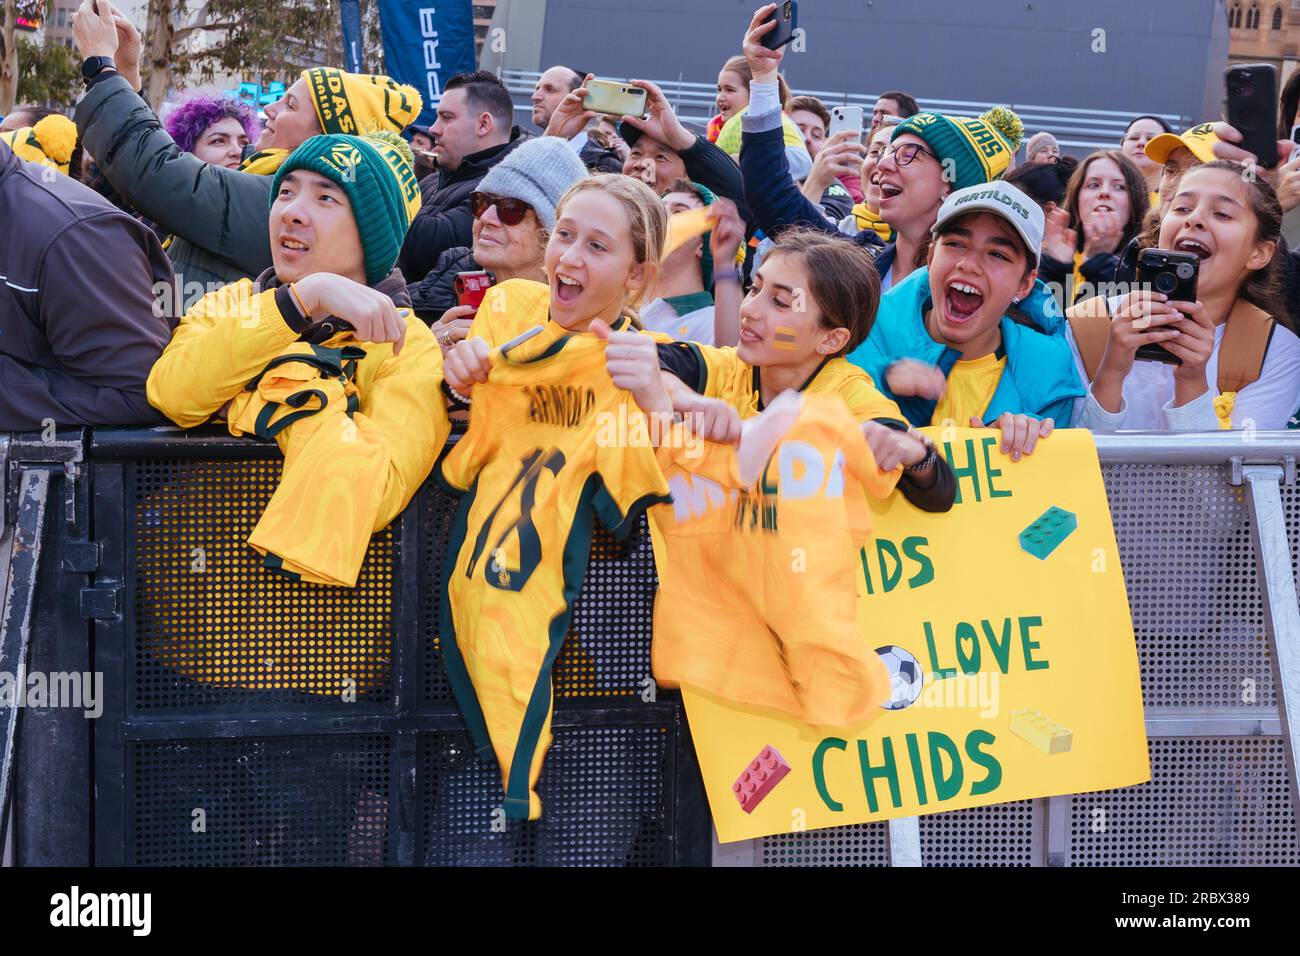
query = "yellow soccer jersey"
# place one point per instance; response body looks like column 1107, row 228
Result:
column 541, row 459
column 758, row 587
column 971, row 385
column 723, row 375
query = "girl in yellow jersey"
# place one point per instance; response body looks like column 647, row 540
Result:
column 812, row 302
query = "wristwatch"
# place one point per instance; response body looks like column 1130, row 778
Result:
column 92, row 66
column 931, row 456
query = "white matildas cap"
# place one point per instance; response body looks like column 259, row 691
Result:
column 1000, row 199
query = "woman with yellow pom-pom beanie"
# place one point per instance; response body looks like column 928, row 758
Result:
column 49, row 143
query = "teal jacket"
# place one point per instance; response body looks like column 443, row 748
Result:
column 1040, row 379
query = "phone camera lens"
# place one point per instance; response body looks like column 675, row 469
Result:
column 1166, row 283
column 1185, row 271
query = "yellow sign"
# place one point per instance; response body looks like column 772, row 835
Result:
column 1005, row 627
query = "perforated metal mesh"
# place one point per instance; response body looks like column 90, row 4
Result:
column 604, row 792
column 606, row 655
column 1008, row 834
column 284, row 801
column 1189, row 563
column 1212, row 801
column 865, row 844
column 212, row 624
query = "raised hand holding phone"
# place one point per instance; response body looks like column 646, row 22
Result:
column 763, row 61
column 571, row 116
column 93, row 30
column 660, row 121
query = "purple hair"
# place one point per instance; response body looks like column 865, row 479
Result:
column 191, row 119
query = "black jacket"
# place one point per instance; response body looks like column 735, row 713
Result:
column 444, row 220
column 599, row 159
column 217, row 217
column 87, row 303
column 436, row 292
column 1096, row 270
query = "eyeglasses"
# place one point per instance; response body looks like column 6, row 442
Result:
column 904, row 154
column 511, row 212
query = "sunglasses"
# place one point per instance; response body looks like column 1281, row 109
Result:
column 511, row 212
column 903, row 155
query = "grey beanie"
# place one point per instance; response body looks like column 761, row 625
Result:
column 538, row 172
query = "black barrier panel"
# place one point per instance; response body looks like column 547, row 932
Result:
column 281, row 801
column 603, row 802
column 215, row 631
column 229, row 738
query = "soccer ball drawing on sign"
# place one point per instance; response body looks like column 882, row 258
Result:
column 906, row 676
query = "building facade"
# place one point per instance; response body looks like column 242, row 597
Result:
column 1264, row 31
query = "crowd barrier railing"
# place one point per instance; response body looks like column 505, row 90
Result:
column 245, row 719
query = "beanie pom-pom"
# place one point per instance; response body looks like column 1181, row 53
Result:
column 1005, row 121
column 58, row 137
column 395, row 141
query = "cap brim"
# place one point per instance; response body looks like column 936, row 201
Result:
column 1159, row 147
column 997, row 209
column 1201, row 148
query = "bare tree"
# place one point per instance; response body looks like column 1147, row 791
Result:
column 8, row 56
column 191, row 40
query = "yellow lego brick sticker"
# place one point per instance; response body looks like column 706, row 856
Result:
column 1041, row 731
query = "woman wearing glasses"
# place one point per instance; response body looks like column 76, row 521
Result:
column 929, row 156
column 514, row 211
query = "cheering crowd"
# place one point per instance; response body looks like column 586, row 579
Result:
column 162, row 268
column 317, row 279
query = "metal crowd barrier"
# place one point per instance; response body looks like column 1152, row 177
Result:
column 1076, row 129
column 124, row 554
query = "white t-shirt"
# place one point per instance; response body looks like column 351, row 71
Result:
column 1147, row 395
column 694, row 325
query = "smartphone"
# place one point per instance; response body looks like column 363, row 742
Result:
column 472, row 286
column 1252, row 108
column 786, row 16
column 614, row 99
column 1174, row 274
column 845, row 117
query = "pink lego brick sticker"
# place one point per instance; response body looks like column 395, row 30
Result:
column 760, row 778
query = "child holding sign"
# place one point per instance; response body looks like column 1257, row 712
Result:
column 812, row 302
column 974, row 339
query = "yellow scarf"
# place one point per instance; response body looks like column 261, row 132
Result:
column 264, row 162
column 868, row 218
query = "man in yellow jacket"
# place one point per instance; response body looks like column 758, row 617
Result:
column 322, row 354
column 318, row 354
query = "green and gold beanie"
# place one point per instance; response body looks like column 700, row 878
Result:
column 357, row 104
column 976, row 150
column 376, row 176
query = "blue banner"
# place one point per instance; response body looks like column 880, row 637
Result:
column 350, row 12
column 426, row 42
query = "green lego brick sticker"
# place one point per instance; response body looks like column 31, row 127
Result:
column 1047, row 531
